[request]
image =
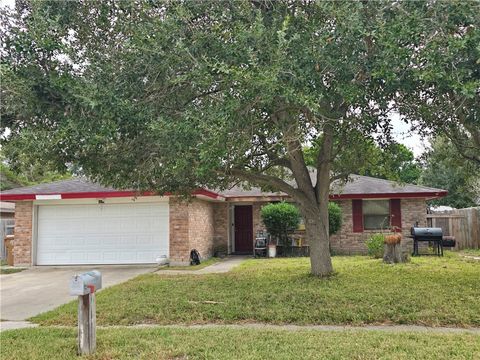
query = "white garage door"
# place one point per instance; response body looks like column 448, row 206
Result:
column 133, row 233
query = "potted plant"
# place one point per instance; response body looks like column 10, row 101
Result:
column 272, row 249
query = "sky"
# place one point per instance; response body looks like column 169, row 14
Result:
column 402, row 134
column 400, row 131
column 10, row 3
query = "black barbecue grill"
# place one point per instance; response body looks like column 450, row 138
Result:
column 432, row 235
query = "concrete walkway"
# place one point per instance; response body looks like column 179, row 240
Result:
column 217, row 268
column 9, row 325
column 472, row 257
column 42, row 289
column 262, row 326
column 12, row 325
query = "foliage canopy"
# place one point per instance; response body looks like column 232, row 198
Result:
column 172, row 96
column 446, row 169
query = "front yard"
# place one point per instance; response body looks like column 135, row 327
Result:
column 55, row 343
column 427, row 291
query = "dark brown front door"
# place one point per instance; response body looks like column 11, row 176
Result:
column 243, row 229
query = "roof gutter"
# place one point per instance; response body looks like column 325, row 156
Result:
column 405, row 195
column 99, row 194
column 208, row 195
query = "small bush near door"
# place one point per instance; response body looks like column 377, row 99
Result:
column 280, row 219
column 375, row 246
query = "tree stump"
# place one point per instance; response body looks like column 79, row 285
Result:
column 393, row 251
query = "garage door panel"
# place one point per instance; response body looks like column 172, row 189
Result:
column 102, row 234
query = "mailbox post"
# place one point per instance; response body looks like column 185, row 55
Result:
column 84, row 286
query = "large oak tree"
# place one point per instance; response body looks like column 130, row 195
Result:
column 173, row 95
column 441, row 93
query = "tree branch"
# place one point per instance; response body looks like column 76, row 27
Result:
column 295, row 153
column 324, row 159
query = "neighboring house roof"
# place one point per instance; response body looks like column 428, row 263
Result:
column 358, row 187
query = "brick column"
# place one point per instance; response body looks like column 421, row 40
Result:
column 179, row 244
column 221, row 224
column 257, row 218
column 191, row 227
column 201, row 227
column 22, row 251
column 413, row 210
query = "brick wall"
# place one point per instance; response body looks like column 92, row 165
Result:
column 204, row 225
column 221, row 225
column 257, row 218
column 179, row 243
column 22, row 252
column 415, row 210
column 191, row 227
column 348, row 242
column 200, row 227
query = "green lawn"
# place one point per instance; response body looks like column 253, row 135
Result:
column 51, row 343
column 5, row 271
column 427, row 291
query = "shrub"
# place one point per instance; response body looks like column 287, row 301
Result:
column 334, row 217
column 280, row 218
column 375, row 245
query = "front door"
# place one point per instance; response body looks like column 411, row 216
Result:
column 243, row 229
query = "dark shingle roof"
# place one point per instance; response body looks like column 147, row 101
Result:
column 358, row 185
column 369, row 185
column 74, row 185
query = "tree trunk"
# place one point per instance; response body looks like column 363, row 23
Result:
column 316, row 227
column 393, row 254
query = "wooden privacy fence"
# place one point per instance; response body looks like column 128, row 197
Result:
column 464, row 224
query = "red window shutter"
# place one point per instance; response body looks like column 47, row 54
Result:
column 357, row 215
column 396, row 214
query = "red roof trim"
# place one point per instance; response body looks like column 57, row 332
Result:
column 101, row 194
column 208, row 193
column 256, row 196
column 214, row 195
column 8, row 197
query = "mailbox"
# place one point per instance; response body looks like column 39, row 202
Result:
column 85, row 283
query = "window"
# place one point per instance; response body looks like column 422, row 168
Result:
column 376, row 214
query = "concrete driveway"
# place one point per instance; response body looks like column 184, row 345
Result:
column 39, row 289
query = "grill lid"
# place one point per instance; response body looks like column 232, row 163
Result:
column 427, row 232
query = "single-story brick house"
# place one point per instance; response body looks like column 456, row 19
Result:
column 79, row 222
